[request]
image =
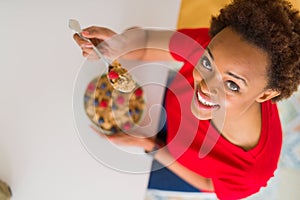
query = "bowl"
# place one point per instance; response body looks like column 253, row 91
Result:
column 110, row 110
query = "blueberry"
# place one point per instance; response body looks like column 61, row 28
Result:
column 108, row 93
column 113, row 129
column 96, row 102
column 103, row 86
column 114, row 107
column 101, row 120
column 137, row 111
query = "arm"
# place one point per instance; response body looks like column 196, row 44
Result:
column 157, row 45
column 133, row 43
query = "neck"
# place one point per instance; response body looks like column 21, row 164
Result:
column 244, row 131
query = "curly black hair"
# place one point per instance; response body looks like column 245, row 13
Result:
column 274, row 26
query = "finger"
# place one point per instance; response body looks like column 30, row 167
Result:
column 87, row 50
column 115, row 135
column 100, row 33
column 90, row 54
column 81, row 42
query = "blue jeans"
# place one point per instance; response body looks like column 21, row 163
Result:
column 164, row 179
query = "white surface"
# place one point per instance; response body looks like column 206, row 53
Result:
column 172, row 195
column 41, row 156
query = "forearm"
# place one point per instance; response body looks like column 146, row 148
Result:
column 148, row 44
column 164, row 157
column 157, row 45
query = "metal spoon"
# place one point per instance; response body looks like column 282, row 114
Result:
column 119, row 77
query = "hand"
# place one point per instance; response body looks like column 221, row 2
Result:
column 131, row 43
column 96, row 35
column 129, row 140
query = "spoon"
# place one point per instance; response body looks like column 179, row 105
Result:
column 118, row 76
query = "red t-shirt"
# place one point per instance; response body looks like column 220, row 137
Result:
column 235, row 173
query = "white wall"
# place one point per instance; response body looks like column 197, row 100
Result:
column 41, row 156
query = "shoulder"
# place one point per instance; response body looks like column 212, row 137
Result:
column 201, row 35
column 189, row 42
column 270, row 118
column 270, row 143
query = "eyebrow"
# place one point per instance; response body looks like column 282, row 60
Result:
column 237, row 77
column 209, row 52
column 229, row 73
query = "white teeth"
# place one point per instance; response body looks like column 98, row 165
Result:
column 203, row 101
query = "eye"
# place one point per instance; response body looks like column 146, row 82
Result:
column 206, row 63
column 232, row 86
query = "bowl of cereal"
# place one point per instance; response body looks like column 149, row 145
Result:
column 110, row 110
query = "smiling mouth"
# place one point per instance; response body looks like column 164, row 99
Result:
column 203, row 100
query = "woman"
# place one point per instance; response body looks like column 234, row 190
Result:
column 251, row 61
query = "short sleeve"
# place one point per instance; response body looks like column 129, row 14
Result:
column 188, row 44
column 232, row 188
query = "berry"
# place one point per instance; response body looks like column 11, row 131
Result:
column 113, row 75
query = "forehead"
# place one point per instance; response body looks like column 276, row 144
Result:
column 233, row 53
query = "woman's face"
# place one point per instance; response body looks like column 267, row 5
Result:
column 230, row 78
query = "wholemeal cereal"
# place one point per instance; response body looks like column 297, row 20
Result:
column 111, row 110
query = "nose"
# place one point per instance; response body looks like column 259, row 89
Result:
column 207, row 84
column 205, row 89
column 198, row 79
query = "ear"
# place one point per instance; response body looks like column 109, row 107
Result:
column 267, row 95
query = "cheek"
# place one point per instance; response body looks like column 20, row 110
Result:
column 232, row 103
column 196, row 75
column 235, row 105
